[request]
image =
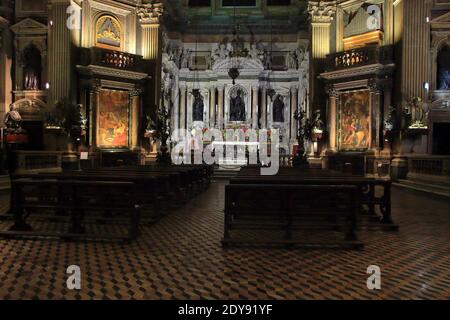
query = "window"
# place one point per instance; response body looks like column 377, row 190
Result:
column 199, row 3
column 238, row 3
column 278, row 2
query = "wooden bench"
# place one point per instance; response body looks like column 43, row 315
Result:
column 291, row 207
column 367, row 187
column 78, row 198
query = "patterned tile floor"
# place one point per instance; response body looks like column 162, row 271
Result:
column 181, row 258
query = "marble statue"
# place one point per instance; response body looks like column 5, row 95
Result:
column 255, row 53
column 267, row 60
column 444, row 80
column 198, row 107
column 278, row 109
column 237, row 108
column 185, row 59
column 292, row 60
column 221, row 53
column 13, row 120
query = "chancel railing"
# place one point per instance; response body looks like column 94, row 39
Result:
column 368, row 55
column 438, row 166
column 111, row 59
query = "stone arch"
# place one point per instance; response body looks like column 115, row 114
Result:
column 438, row 42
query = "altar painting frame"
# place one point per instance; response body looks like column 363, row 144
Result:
column 113, row 119
column 354, row 120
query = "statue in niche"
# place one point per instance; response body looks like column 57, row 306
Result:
column 198, row 107
column 443, row 64
column 31, row 68
column 444, row 80
column 278, row 109
column 237, row 108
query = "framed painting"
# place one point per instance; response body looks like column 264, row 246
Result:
column 113, row 119
column 354, row 120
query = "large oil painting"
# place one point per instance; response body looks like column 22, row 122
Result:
column 113, row 119
column 354, row 120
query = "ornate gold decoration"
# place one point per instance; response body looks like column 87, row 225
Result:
column 108, row 31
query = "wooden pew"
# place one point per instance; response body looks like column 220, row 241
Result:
column 291, row 207
column 79, row 198
column 367, row 188
column 149, row 188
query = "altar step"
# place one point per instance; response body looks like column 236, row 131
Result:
column 437, row 188
column 226, row 172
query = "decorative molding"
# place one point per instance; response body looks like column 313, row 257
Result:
column 111, row 72
column 29, row 27
column 359, row 71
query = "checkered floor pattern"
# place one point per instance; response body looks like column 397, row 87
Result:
column 180, row 257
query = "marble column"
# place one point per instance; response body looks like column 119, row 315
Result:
column 149, row 18
column 134, row 102
column 294, row 105
column 263, row 108
column 189, row 102
column 212, row 107
column 255, row 91
column 387, row 94
column 59, row 52
column 182, row 107
column 322, row 13
column 332, row 119
column 375, row 112
column 220, row 111
column 339, row 29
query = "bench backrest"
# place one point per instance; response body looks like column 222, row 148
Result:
column 290, row 200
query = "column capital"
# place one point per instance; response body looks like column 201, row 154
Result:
column 150, row 13
column 294, row 88
column 322, row 11
column 332, row 92
column 136, row 92
column 374, row 85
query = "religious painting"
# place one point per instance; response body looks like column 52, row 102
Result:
column 108, row 32
column 113, row 119
column 354, row 120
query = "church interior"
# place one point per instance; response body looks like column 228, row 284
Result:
column 137, row 138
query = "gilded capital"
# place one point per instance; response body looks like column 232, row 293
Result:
column 322, row 11
column 150, row 13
